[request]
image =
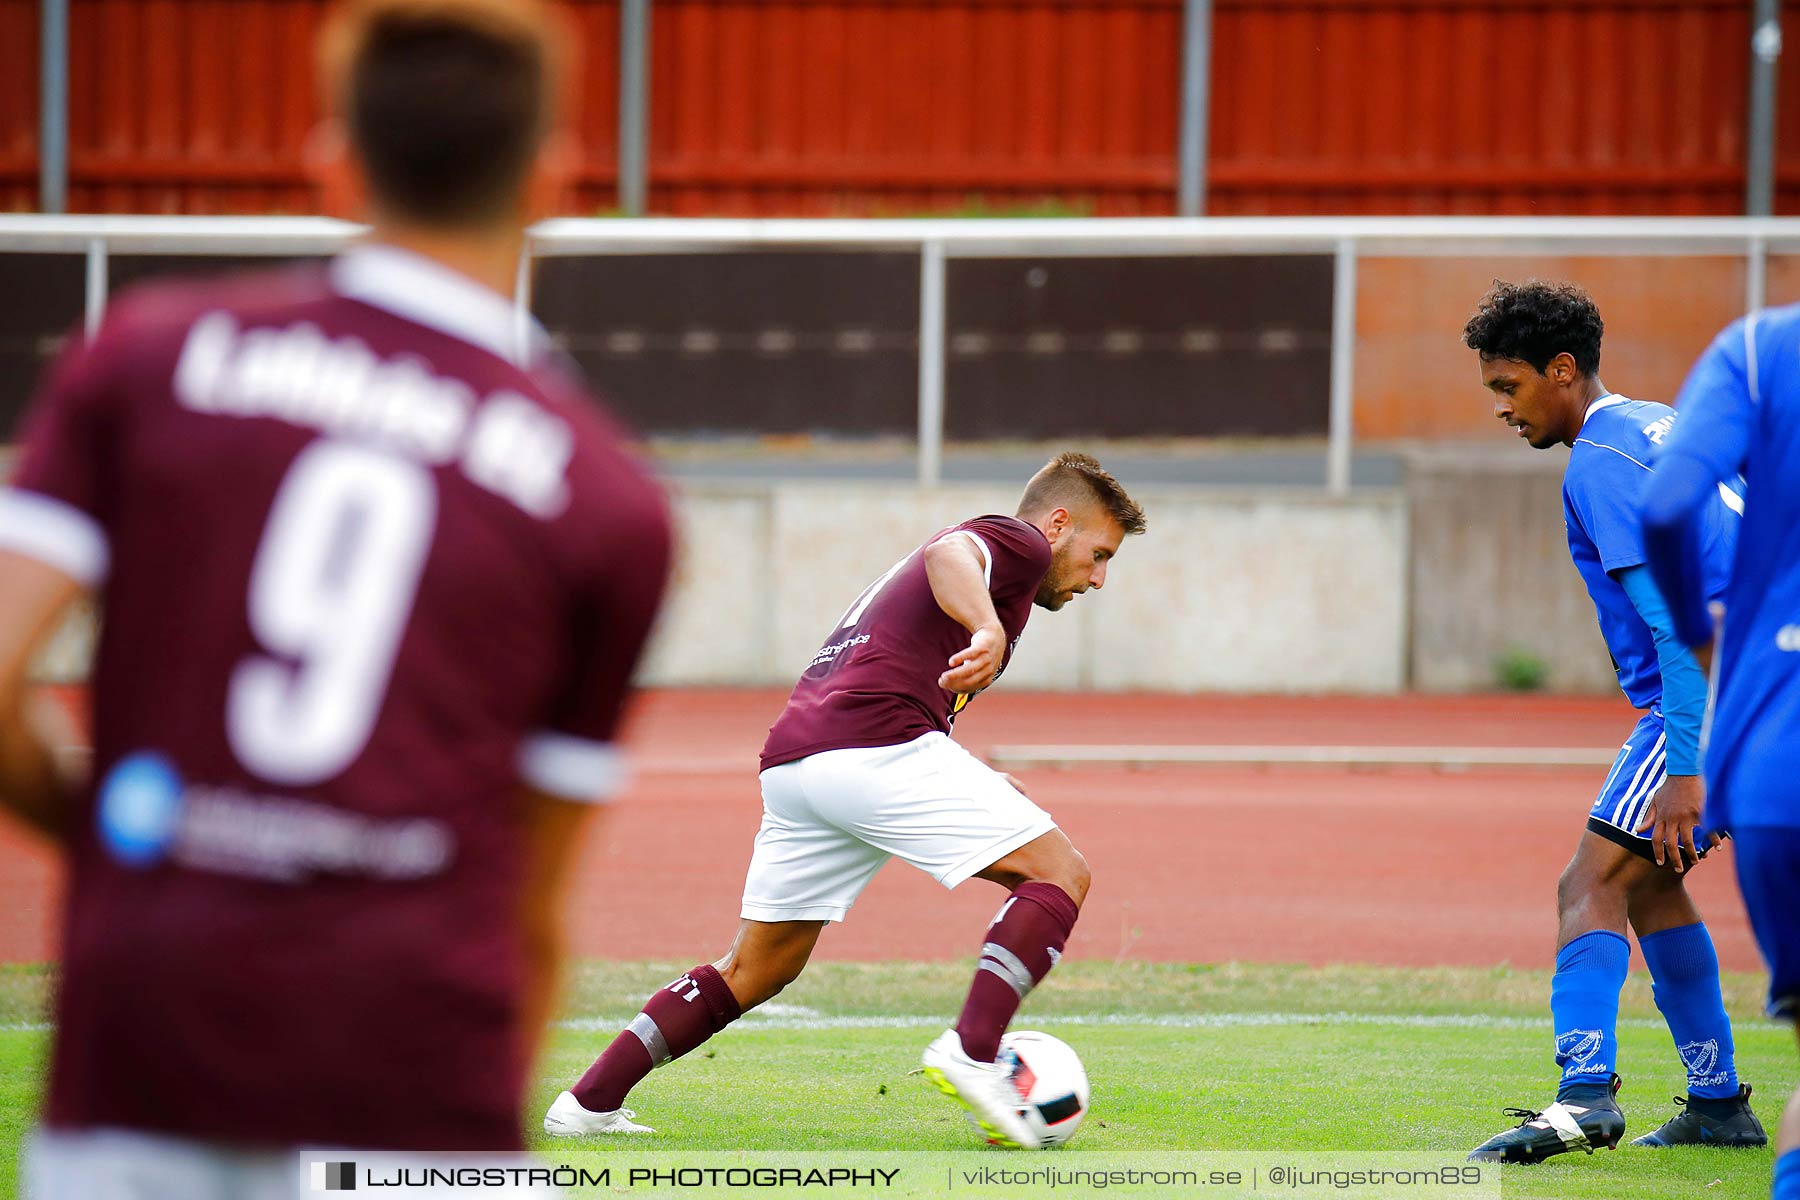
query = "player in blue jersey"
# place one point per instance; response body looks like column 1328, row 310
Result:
column 1741, row 413
column 1539, row 346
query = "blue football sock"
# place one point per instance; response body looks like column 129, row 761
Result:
column 1584, row 1004
column 1684, row 969
column 1787, row 1177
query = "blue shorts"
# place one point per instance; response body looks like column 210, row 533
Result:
column 1636, row 774
column 1768, row 866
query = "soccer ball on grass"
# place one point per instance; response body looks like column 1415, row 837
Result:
column 1052, row 1082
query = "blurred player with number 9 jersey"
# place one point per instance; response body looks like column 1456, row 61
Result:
column 375, row 572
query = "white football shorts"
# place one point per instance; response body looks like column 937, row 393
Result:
column 831, row 820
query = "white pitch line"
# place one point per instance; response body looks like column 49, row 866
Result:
column 1353, row 756
column 1249, row 1020
column 1150, row 1020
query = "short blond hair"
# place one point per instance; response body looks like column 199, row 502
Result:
column 1071, row 480
column 446, row 102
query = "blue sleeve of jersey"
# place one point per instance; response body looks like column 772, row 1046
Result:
column 1708, row 444
column 1604, row 486
column 1684, row 687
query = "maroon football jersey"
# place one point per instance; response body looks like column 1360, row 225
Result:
column 875, row 680
column 364, row 580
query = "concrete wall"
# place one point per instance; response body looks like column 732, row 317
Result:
column 1230, row 590
column 1246, row 590
column 1491, row 572
column 1254, row 591
column 1233, row 591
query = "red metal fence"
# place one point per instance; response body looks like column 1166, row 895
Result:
column 905, row 106
column 1482, row 106
column 18, row 105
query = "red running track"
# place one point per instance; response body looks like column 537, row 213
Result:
column 1291, row 864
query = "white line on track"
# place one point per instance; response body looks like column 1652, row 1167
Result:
column 1443, row 757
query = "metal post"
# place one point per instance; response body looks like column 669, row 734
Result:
column 1196, row 97
column 1343, row 365
column 53, row 106
column 96, row 284
column 1756, row 273
column 522, row 302
column 1765, row 52
column 931, row 363
column 634, row 106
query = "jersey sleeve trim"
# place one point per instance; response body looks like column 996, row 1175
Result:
column 987, row 557
column 571, row 767
column 55, row 533
column 1622, row 562
column 1614, row 449
column 981, row 548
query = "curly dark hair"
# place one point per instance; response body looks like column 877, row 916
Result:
column 1535, row 321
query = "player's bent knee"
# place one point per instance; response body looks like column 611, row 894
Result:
column 1065, row 867
column 1602, row 870
column 1579, row 888
column 1077, row 877
column 1571, row 888
column 1051, row 859
column 1069, row 871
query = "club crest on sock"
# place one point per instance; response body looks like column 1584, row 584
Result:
column 1702, row 1062
column 1580, row 1049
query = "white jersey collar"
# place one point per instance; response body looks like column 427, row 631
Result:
column 419, row 289
column 1600, row 402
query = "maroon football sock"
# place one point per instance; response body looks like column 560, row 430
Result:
column 675, row 1020
column 1022, row 944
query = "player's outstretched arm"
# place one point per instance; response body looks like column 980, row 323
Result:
column 958, row 573
column 34, row 598
column 1708, row 445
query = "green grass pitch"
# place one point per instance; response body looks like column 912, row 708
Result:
column 1264, row 1058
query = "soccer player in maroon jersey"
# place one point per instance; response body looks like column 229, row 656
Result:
column 375, row 572
column 860, row 767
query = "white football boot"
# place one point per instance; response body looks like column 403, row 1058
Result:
column 985, row 1089
column 567, row 1118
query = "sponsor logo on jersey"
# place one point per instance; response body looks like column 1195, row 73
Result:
column 140, row 809
column 148, row 815
column 830, row 653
